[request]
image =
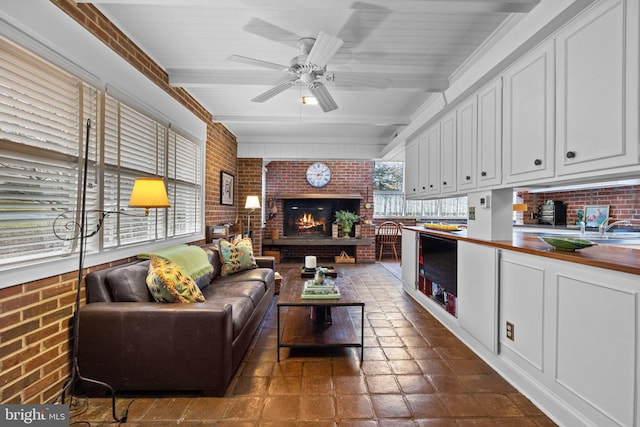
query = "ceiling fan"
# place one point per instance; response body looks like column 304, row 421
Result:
column 310, row 69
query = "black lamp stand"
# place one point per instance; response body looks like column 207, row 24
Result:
column 80, row 233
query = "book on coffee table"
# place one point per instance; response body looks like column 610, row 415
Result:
column 327, row 290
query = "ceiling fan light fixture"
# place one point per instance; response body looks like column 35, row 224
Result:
column 309, row 100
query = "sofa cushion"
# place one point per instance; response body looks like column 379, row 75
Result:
column 254, row 290
column 241, row 310
column 168, row 283
column 263, row 275
column 237, row 256
column 213, row 254
column 127, row 283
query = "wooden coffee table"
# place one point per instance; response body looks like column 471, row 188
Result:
column 298, row 330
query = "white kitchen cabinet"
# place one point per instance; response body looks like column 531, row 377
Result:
column 433, row 160
column 596, row 321
column 575, row 332
column 597, row 89
column 522, row 289
column 412, row 168
column 528, row 116
column 410, row 259
column 490, row 135
column 467, row 133
column 478, row 292
column 423, row 164
column 448, row 152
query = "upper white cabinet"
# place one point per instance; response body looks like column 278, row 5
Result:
column 568, row 109
column 597, row 89
column 448, row 152
column 412, row 169
column 490, row 135
column 528, row 116
column 467, row 144
column 433, row 160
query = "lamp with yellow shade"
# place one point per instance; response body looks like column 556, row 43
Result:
column 149, row 193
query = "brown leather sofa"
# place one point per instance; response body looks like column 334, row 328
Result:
column 131, row 342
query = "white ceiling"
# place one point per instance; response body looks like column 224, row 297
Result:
column 417, row 44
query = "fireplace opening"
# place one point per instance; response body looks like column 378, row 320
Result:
column 312, row 218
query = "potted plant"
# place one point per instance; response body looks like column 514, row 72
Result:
column 346, row 219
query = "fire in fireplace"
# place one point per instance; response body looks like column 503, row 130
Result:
column 308, row 224
column 310, row 218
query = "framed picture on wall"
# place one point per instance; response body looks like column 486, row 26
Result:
column 227, row 183
column 594, row 215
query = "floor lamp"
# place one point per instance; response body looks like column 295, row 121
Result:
column 253, row 203
column 146, row 193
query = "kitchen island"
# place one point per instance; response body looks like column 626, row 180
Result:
column 562, row 327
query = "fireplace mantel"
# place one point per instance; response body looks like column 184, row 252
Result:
column 319, row 196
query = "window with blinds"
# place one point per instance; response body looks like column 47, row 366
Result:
column 44, row 113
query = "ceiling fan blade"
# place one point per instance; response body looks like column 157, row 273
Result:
column 258, row 63
column 281, row 87
column 363, row 20
column 270, row 31
column 359, row 79
column 325, row 101
column 323, row 49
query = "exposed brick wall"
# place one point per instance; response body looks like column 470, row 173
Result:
column 346, row 177
column 624, row 202
column 35, row 334
column 35, row 317
column 221, row 155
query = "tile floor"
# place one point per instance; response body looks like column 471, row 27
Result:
column 414, row 373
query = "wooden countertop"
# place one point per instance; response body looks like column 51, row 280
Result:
column 610, row 257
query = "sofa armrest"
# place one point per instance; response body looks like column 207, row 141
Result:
column 266, row 262
column 141, row 345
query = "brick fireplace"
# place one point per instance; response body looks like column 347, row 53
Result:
column 305, row 216
column 288, row 197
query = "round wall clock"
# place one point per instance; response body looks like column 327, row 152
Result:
column 318, row 175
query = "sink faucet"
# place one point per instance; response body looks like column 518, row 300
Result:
column 605, row 226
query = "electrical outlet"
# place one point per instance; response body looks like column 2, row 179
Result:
column 510, row 331
column 472, row 213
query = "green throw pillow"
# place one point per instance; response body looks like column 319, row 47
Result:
column 167, row 283
column 237, row 256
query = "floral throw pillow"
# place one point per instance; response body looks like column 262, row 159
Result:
column 236, row 256
column 167, row 283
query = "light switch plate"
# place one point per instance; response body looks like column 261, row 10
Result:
column 472, row 213
column 485, row 201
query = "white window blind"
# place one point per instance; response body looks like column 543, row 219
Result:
column 134, row 147
column 43, row 117
column 184, row 172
